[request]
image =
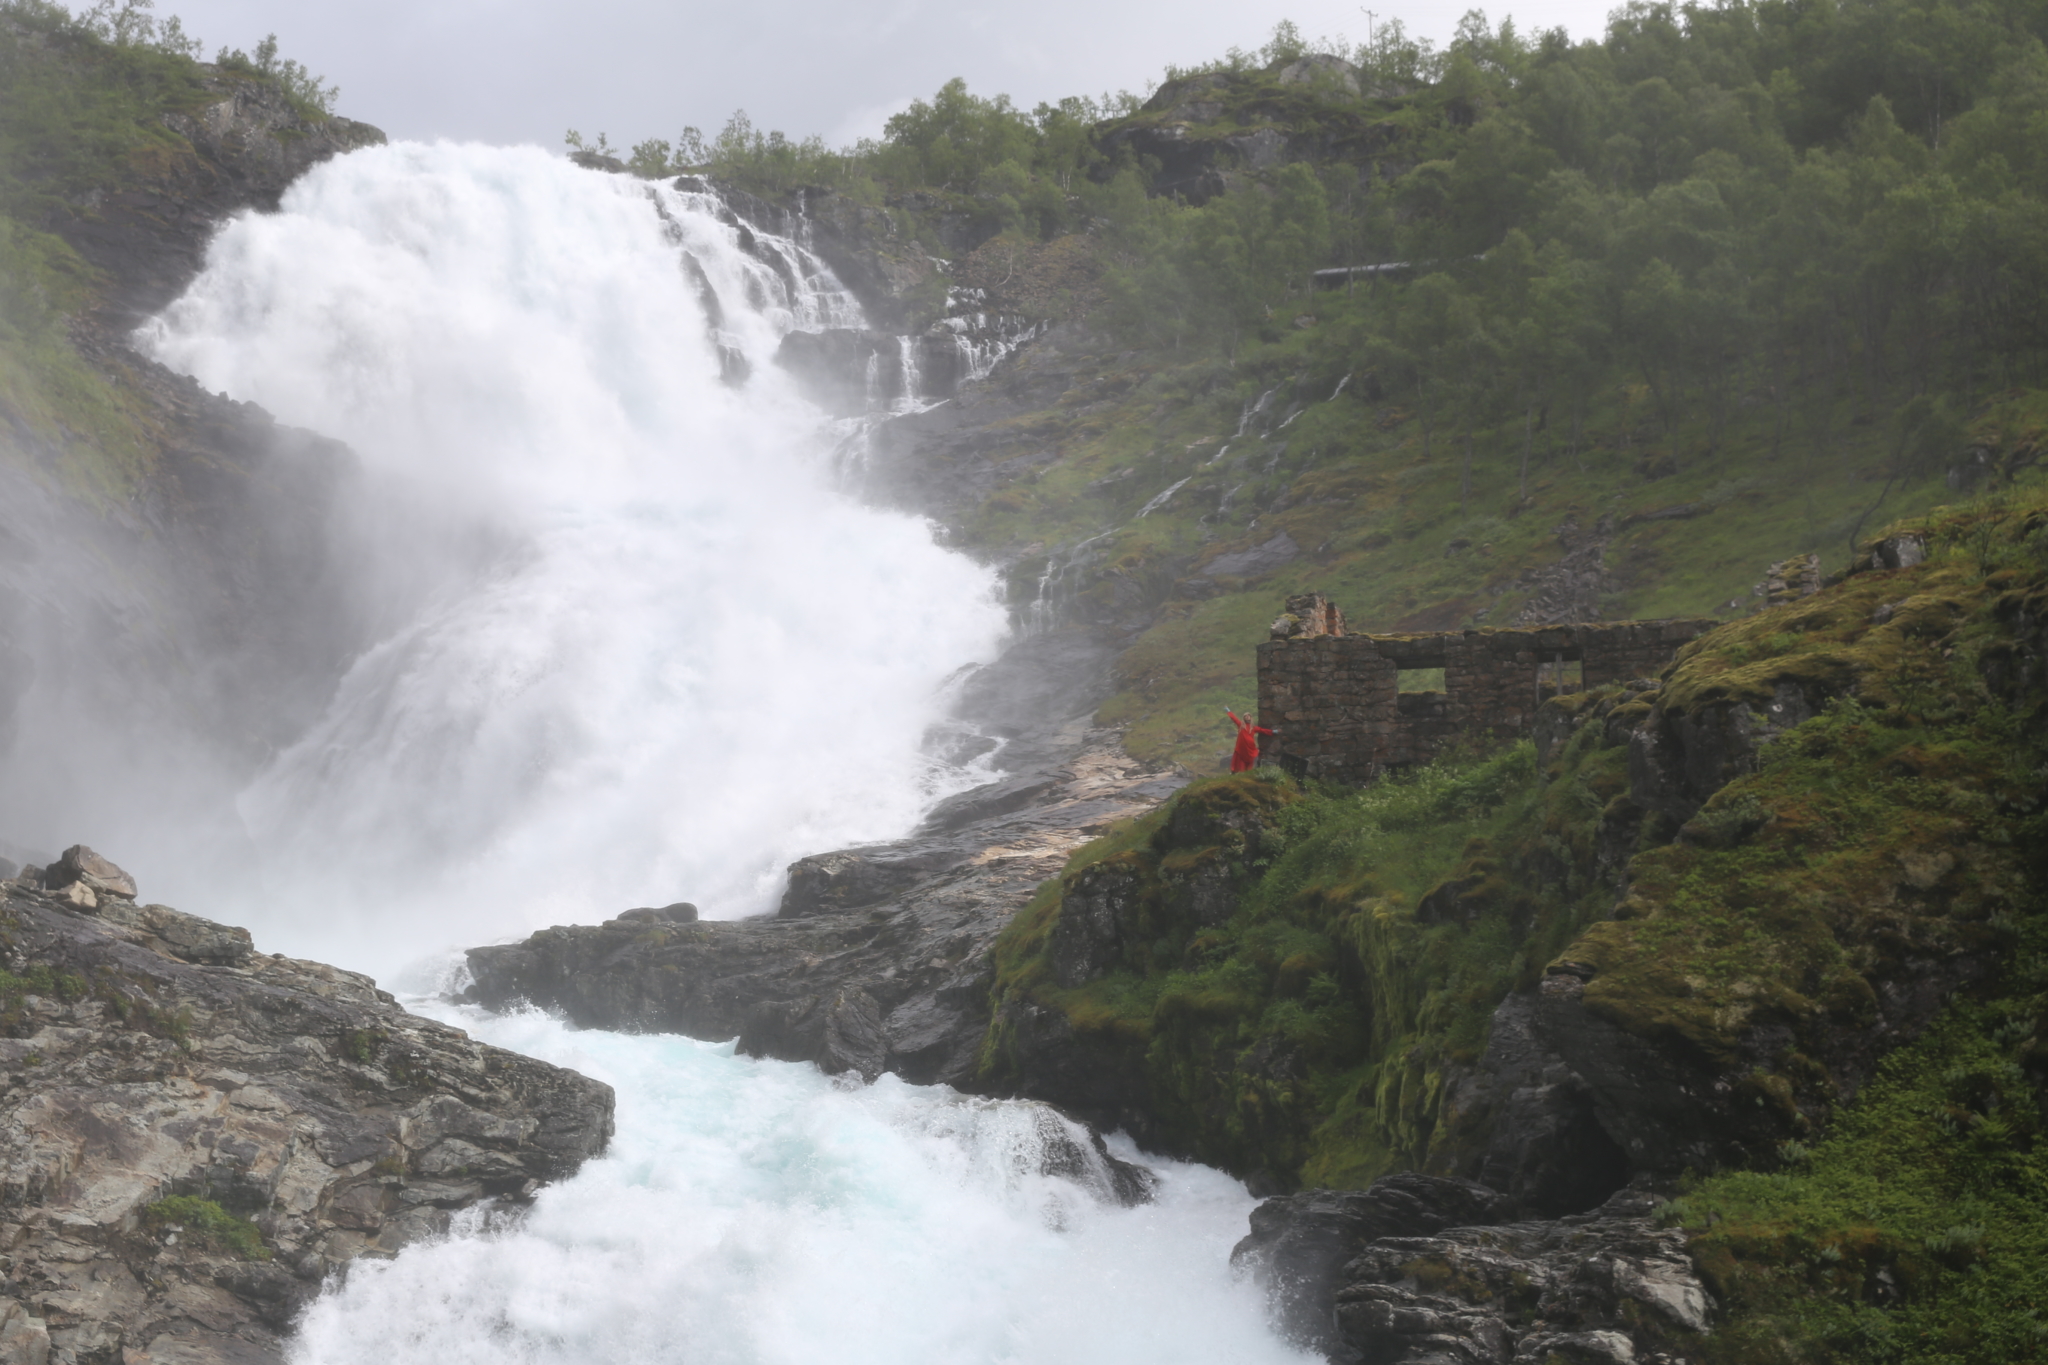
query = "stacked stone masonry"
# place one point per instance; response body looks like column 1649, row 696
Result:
column 1336, row 702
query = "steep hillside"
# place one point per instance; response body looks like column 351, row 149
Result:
column 166, row 569
column 1776, row 911
column 1601, row 328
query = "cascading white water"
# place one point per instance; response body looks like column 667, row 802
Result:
column 659, row 656
column 759, row 1213
column 906, row 361
column 638, row 650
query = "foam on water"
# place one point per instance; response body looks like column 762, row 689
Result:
column 760, row 1213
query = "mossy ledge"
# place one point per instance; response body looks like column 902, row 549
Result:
column 1717, row 901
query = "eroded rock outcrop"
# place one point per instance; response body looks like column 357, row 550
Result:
column 1423, row 1271
column 199, row 1134
column 879, row 960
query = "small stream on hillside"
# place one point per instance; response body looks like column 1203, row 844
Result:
column 638, row 649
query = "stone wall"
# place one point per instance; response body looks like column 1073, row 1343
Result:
column 1335, row 700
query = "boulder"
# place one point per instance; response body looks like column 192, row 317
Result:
column 81, row 865
column 1300, row 1244
column 682, row 912
column 1901, row 551
column 1599, row 1288
column 1321, row 69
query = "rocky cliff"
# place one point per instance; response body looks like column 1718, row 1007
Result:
column 198, row 1135
column 167, row 565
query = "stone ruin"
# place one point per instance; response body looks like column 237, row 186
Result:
column 1336, row 699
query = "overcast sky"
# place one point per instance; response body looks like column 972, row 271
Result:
column 525, row 70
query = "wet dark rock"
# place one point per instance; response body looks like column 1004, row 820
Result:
column 1300, row 1244
column 879, row 960
column 1606, row 1286
column 828, row 883
column 1547, row 1147
column 1260, row 560
column 1073, row 1151
column 1098, row 920
column 843, row 371
column 1418, row 1270
column 168, row 1058
column 81, row 865
column 1678, row 759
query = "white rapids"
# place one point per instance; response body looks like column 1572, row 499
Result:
column 636, row 648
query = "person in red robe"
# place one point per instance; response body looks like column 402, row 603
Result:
column 1245, row 756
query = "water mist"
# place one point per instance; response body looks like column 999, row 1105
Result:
column 635, row 648
column 640, row 650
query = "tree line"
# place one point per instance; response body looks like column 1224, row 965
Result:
column 1835, row 210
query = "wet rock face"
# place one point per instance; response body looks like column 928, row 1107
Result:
column 220, row 547
column 844, row 371
column 1300, row 1244
column 150, row 1054
column 1422, row 1271
column 1099, row 920
column 878, row 959
column 1677, row 760
column 1548, row 1148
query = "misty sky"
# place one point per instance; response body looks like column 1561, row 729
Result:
column 524, row 70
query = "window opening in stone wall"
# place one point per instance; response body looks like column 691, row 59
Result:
column 1420, row 680
column 1555, row 679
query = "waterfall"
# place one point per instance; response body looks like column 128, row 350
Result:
column 1251, row 410
column 1160, row 500
column 906, row 354
column 641, row 650
column 637, row 648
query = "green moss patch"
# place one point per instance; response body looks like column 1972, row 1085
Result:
column 203, row 1224
column 1888, row 834
column 1311, row 1035
column 1917, row 1231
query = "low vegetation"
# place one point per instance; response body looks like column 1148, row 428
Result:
column 205, row 1225
column 1314, row 1031
column 83, row 103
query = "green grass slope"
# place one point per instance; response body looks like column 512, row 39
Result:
column 1317, row 1031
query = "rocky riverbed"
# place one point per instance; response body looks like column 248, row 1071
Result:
column 198, row 1135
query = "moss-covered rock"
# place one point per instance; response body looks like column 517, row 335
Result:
column 1289, row 981
column 1552, row 973
column 1860, row 776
